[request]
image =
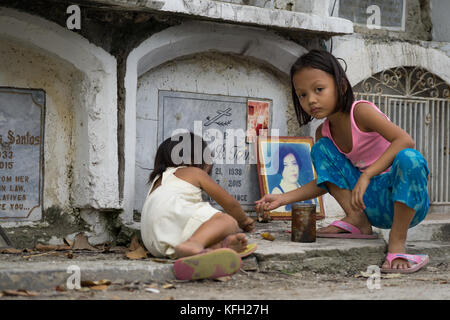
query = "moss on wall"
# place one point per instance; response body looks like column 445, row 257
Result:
column 56, row 222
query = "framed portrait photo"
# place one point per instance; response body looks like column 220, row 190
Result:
column 284, row 164
column 258, row 118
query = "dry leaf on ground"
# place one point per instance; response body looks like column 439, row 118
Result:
column 136, row 250
column 81, row 243
column 134, row 244
column 168, row 286
column 46, row 253
column 90, row 283
column 20, row 292
column 137, row 254
column 11, row 250
column 99, row 288
column 44, row 247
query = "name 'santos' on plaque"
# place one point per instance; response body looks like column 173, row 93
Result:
column 22, row 114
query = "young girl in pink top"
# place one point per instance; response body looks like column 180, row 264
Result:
column 362, row 159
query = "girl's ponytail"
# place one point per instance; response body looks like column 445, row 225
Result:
column 155, row 173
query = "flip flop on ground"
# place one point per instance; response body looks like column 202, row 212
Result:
column 351, row 232
column 418, row 261
column 230, row 242
column 248, row 250
column 211, row 264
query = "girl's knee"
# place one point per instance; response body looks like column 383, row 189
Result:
column 408, row 155
column 410, row 160
column 227, row 220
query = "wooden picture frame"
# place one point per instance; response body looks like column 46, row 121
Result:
column 284, row 164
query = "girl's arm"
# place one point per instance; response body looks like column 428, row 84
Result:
column 272, row 201
column 306, row 192
column 370, row 120
column 225, row 200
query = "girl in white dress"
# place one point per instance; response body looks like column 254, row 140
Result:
column 175, row 220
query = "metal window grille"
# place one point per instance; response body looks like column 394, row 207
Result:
column 418, row 102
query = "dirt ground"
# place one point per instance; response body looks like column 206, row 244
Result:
column 430, row 283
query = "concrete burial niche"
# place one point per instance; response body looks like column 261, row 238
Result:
column 191, row 69
column 76, row 155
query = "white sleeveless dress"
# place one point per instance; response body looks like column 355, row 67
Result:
column 172, row 213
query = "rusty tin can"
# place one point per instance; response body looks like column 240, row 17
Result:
column 303, row 222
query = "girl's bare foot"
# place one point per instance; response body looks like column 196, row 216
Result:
column 396, row 246
column 188, row 248
column 362, row 224
column 237, row 242
column 398, row 263
column 355, row 217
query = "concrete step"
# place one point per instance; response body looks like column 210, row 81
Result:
column 435, row 227
column 47, row 274
column 346, row 257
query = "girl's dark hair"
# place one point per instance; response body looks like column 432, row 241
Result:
column 167, row 157
column 325, row 61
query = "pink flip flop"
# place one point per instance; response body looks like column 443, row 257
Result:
column 418, row 260
column 352, row 232
column 211, row 264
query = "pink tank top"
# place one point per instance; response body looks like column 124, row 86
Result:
column 367, row 146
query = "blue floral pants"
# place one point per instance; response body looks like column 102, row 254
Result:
column 405, row 182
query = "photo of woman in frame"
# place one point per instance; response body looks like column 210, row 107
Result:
column 285, row 165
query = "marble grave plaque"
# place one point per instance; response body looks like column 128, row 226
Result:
column 22, row 113
column 215, row 117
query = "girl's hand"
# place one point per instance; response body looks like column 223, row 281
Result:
column 268, row 202
column 247, row 225
column 358, row 192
